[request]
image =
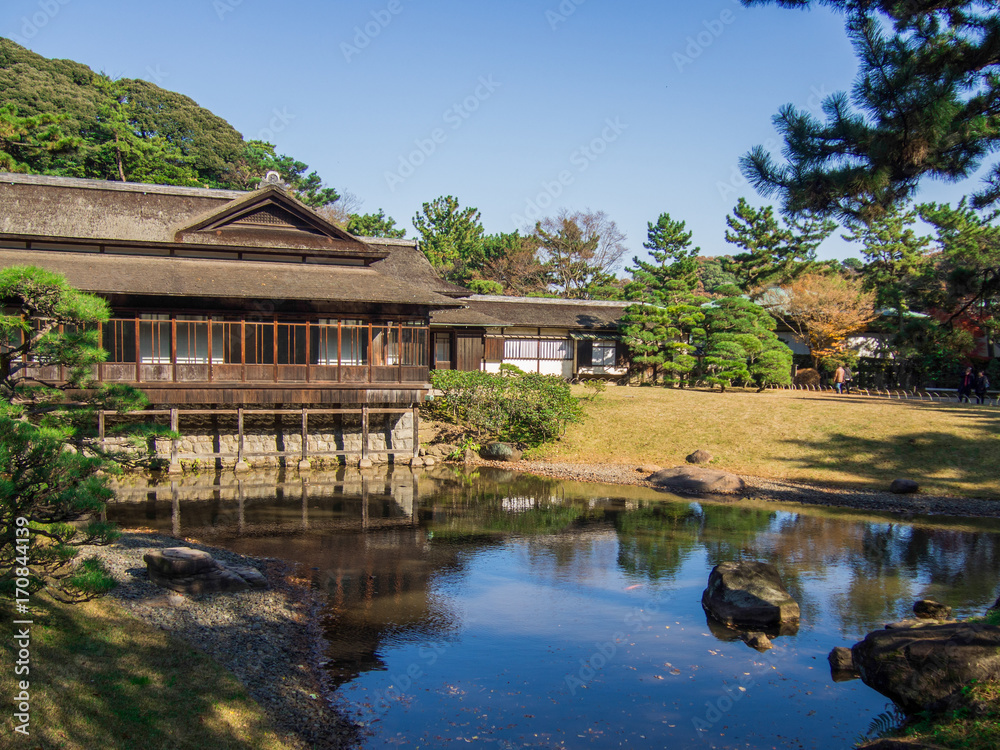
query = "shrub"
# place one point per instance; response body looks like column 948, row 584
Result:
column 524, row 408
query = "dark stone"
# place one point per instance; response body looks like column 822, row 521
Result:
column 841, row 660
column 750, row 595
column 699, row 457
column 191, row 571
column 928, row 609
column 904, row 486
column 756, row 639
column 500, row 452
column 697, row 480
column 920, row 668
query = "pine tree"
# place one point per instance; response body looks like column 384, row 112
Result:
column 54, row 492
column 374, row 225
column 926, row 103
column 660, row 332
column 674, row 275
column 740, row 344
column 776, row 251
column 451, row 237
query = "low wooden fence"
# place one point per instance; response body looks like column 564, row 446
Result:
column 920, row 394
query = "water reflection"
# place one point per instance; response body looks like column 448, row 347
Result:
column 487, row 591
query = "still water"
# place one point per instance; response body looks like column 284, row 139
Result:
column 508, row 611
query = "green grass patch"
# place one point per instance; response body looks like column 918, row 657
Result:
column 975, row 726
column 846, row 441
column 100, row 678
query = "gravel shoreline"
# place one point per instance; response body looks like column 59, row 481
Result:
column 771, row 490
column 269, row 639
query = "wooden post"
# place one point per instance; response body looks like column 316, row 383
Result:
column 240, row 498
column 175, row 509
column 241, row 464
column 304, row 464
column 173, row 348
column 100, row 428
column 175, row 464
column 305, row 504
column 364, row 432
column 416, row 431
column 211, row 355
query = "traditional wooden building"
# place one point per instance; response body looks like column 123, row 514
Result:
column 574, row 339
column 230, row 299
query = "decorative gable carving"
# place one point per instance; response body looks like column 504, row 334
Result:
column 269, row 218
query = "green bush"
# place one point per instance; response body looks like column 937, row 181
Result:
column 523, row 408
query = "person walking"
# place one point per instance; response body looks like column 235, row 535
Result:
column 982, row 385
column 966, row 386
column 839, row 376
column 848, row 379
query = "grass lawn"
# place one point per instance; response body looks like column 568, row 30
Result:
column 101, row 679
column 820, row 438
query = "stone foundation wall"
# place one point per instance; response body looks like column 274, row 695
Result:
column 202, row 436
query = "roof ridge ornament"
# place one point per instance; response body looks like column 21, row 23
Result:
column 271, row 178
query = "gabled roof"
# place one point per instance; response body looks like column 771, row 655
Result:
column 39, row 207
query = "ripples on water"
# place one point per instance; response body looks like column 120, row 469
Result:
column 512, row 611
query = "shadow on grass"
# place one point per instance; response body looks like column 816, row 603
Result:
column 100, row 679
column 942, row 459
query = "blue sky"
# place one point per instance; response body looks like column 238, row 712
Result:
column 519, row 108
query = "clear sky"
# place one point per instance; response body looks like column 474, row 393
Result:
column 518, row 108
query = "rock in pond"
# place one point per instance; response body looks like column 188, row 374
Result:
column 842, row 665
column 698, row 480
column 920, row 668
column 928, row 609
column 750, row 596
column 192, row 571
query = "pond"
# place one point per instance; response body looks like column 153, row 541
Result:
column 509, row 611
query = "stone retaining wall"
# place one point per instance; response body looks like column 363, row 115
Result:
column 203, row 436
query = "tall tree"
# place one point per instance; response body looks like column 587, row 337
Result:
column 660, row 331
column 740, row 344
column 896, row 261
column 375, row 225
column 969, row 267
column 581, row 250
column 926, row 103
column 451, row 237
column 24, row 141
column 52, row 492
column 825, row 310
column 511, row 261
column 126, row 152
column 674, row 274
column 776, row 251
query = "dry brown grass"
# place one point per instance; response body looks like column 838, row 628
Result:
column 853, row 441
column 101, row 679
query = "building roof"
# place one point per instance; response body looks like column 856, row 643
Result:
column 34, row 206
column 532, row 312
column 196, row 277
column 112, row 238
column 405, row 262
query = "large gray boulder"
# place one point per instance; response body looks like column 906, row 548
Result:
column 923, row 667
column 192, row 571
column 697, row 480
column 750, row 596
